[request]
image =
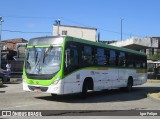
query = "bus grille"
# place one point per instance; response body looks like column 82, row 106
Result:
column 43, row 89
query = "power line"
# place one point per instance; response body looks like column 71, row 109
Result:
column 100, row 28
column 65, row 19
column 27, row 17
column 26, row 32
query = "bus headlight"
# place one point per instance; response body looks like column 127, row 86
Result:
column 56, row 81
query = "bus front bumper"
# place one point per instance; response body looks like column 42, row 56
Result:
column 53, row 88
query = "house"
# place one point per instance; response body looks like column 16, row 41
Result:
column 75, row 31
column 8, row 50
column 11, row 43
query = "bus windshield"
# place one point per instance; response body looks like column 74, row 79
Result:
column 43, row 60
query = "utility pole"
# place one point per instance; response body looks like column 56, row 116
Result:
column 98, row 37
column 1, row 20
column 121, row 28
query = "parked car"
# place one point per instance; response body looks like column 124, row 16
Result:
column 3, row 76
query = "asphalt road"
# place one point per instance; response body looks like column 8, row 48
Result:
column 12, row 97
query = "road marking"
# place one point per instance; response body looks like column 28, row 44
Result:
column 18, row 106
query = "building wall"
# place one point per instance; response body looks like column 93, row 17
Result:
column 149, row 45
column 79, row 32
column 147, row 42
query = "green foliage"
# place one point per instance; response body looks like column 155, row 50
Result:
column 153, row 57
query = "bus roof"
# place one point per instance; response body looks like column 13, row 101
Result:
column 69, row 38
column 40, row 41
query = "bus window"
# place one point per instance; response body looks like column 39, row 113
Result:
column 138, row 61
column 112, row 59
column 121, row 59
column 87, row 55
column 67, row 58
column 143, row 62
column 107, row 56
column 71, row 59
column 100, row 57
column 131, row 60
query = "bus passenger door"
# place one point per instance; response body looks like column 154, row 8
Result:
column 72, row 80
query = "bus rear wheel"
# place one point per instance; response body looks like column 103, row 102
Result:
column 84, row 89
column 129, row 85
column 53, row 95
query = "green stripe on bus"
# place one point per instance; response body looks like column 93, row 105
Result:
column 138, row 70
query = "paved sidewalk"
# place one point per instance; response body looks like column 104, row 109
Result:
column 153, row 81
column 156, row 94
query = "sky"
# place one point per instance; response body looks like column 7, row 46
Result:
column 34, row 18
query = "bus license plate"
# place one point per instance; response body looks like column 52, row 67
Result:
column 37, row 90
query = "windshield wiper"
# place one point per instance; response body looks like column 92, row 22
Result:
column 46, row 53
column 36, row 57
column 37, row 62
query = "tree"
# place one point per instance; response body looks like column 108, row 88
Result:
column 153, row 57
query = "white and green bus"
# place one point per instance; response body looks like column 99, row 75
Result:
column 65, row 65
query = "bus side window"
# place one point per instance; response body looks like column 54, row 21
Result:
column 112, row 59
column 67, row 57
column 145, row 62
column 87, row 56
column 122, row 61
column 100, row 57
column 117, row 58
column 142, row 61
column 131, row 60
column 71, row 60
column 106, row 63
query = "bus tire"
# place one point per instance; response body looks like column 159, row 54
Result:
column 4, row 79
column 53, row 95
column 129, row 85
column 8, row 79
column 84, row 89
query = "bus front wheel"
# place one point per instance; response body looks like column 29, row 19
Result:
column 53, row 95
